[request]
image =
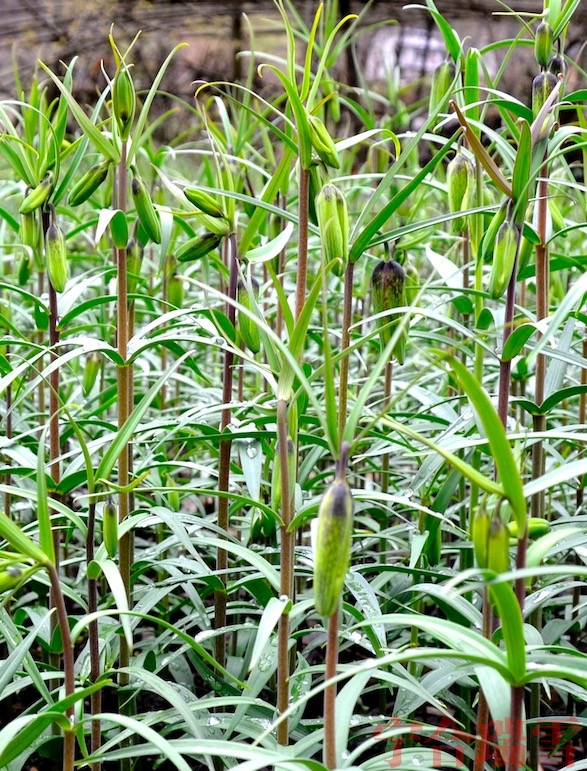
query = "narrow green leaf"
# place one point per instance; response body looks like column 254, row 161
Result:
column 512, row 626
column 43, row 516
column 96, row 137
column 501, row 451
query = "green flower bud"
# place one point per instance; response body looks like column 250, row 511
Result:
column 123, row 102
column 204, row 202
column 91, row 371
column 110, row 528
column 56, row 257
column 542, row 87
column 89, row 183
column 557, row 65
column 460, row 177
column 505, row 251
column 480, row 536
column 247, row 326
column 498, row 546
column 333, row 543
column 38, row 195
column 389, row 291
column 30, row 231
column 333, row 220
column 146, row 212
column 442, row 79
column 198, row 247
column 537, row 527
column 322, row 142
column 543, row 42
column 25, row 268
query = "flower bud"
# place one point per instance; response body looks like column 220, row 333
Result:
column 543, row 43
column 333, row 221
column 91, row 370
column 498, row 546
column 38, row 195
column 110, row 528
column 204, row 202
column 389, row 291
column 146, row 212
column 322, row 142
column 542, row 87
column 247, row 326
column 460, row 178
column 198, row 247
column 56, row 257
column 442, row 79
column 505, row 251
column 175, row 291
column 25, row 268
column 480, row 536
column 557, row 65
column 30, row 231
column 123, row 102
column 89, row 183
column 333, row 544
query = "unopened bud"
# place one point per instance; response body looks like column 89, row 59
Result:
column 146, row 212
column 333, row 544
column 110, row 528
column 198, row 247
column 204, row 202
column 460, row 178
column 389, row 291
column 91, row 370
column 38, row 195
column 89, row 183
column 331, row 210
column 56, row 257
column 442, row 79
column 542, row 87
column 123, row 102
column 322, row 142
column 543, row 43
column 505, row 251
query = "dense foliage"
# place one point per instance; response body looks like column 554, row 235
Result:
column 293, row 416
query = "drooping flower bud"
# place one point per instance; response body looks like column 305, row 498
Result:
column 542, row 87
column 389, row 291
column 333, row 541
column 460, row 178
column 198, row 247
column 56, row 257
column 505, row 250
column 38, row 195
column 543, row 42
column 110, row 528
column 146, row 212
column 322, row 142
column 204, row 202
column 333, row 221
column 123, row 101
column 89, row 183
column 442, row 79
column 247, row 326
column 498, row 546
column 91, row 371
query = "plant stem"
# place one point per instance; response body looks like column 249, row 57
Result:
column 302, row 263
column 68, row 663
column 347, row 317
column 224, row 457
column 330, row 692
column 287, row 573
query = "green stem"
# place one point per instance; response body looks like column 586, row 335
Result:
column 347, row 317
column 330, row 693
column 302, row 262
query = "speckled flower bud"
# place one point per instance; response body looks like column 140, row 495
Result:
column 123, row 101
column 38, row 195
column 460, row 178
column 56, row 257
column 322, row 142
column 198, row 247
column 505, row 250
column 89, row 183
column 110, row 528
column 389, row 291
column 442, row 79
column 146, row 212
column 333, row 543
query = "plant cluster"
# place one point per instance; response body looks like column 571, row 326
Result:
column 293, row 421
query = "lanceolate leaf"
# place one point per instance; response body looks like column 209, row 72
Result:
column 508, row 471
